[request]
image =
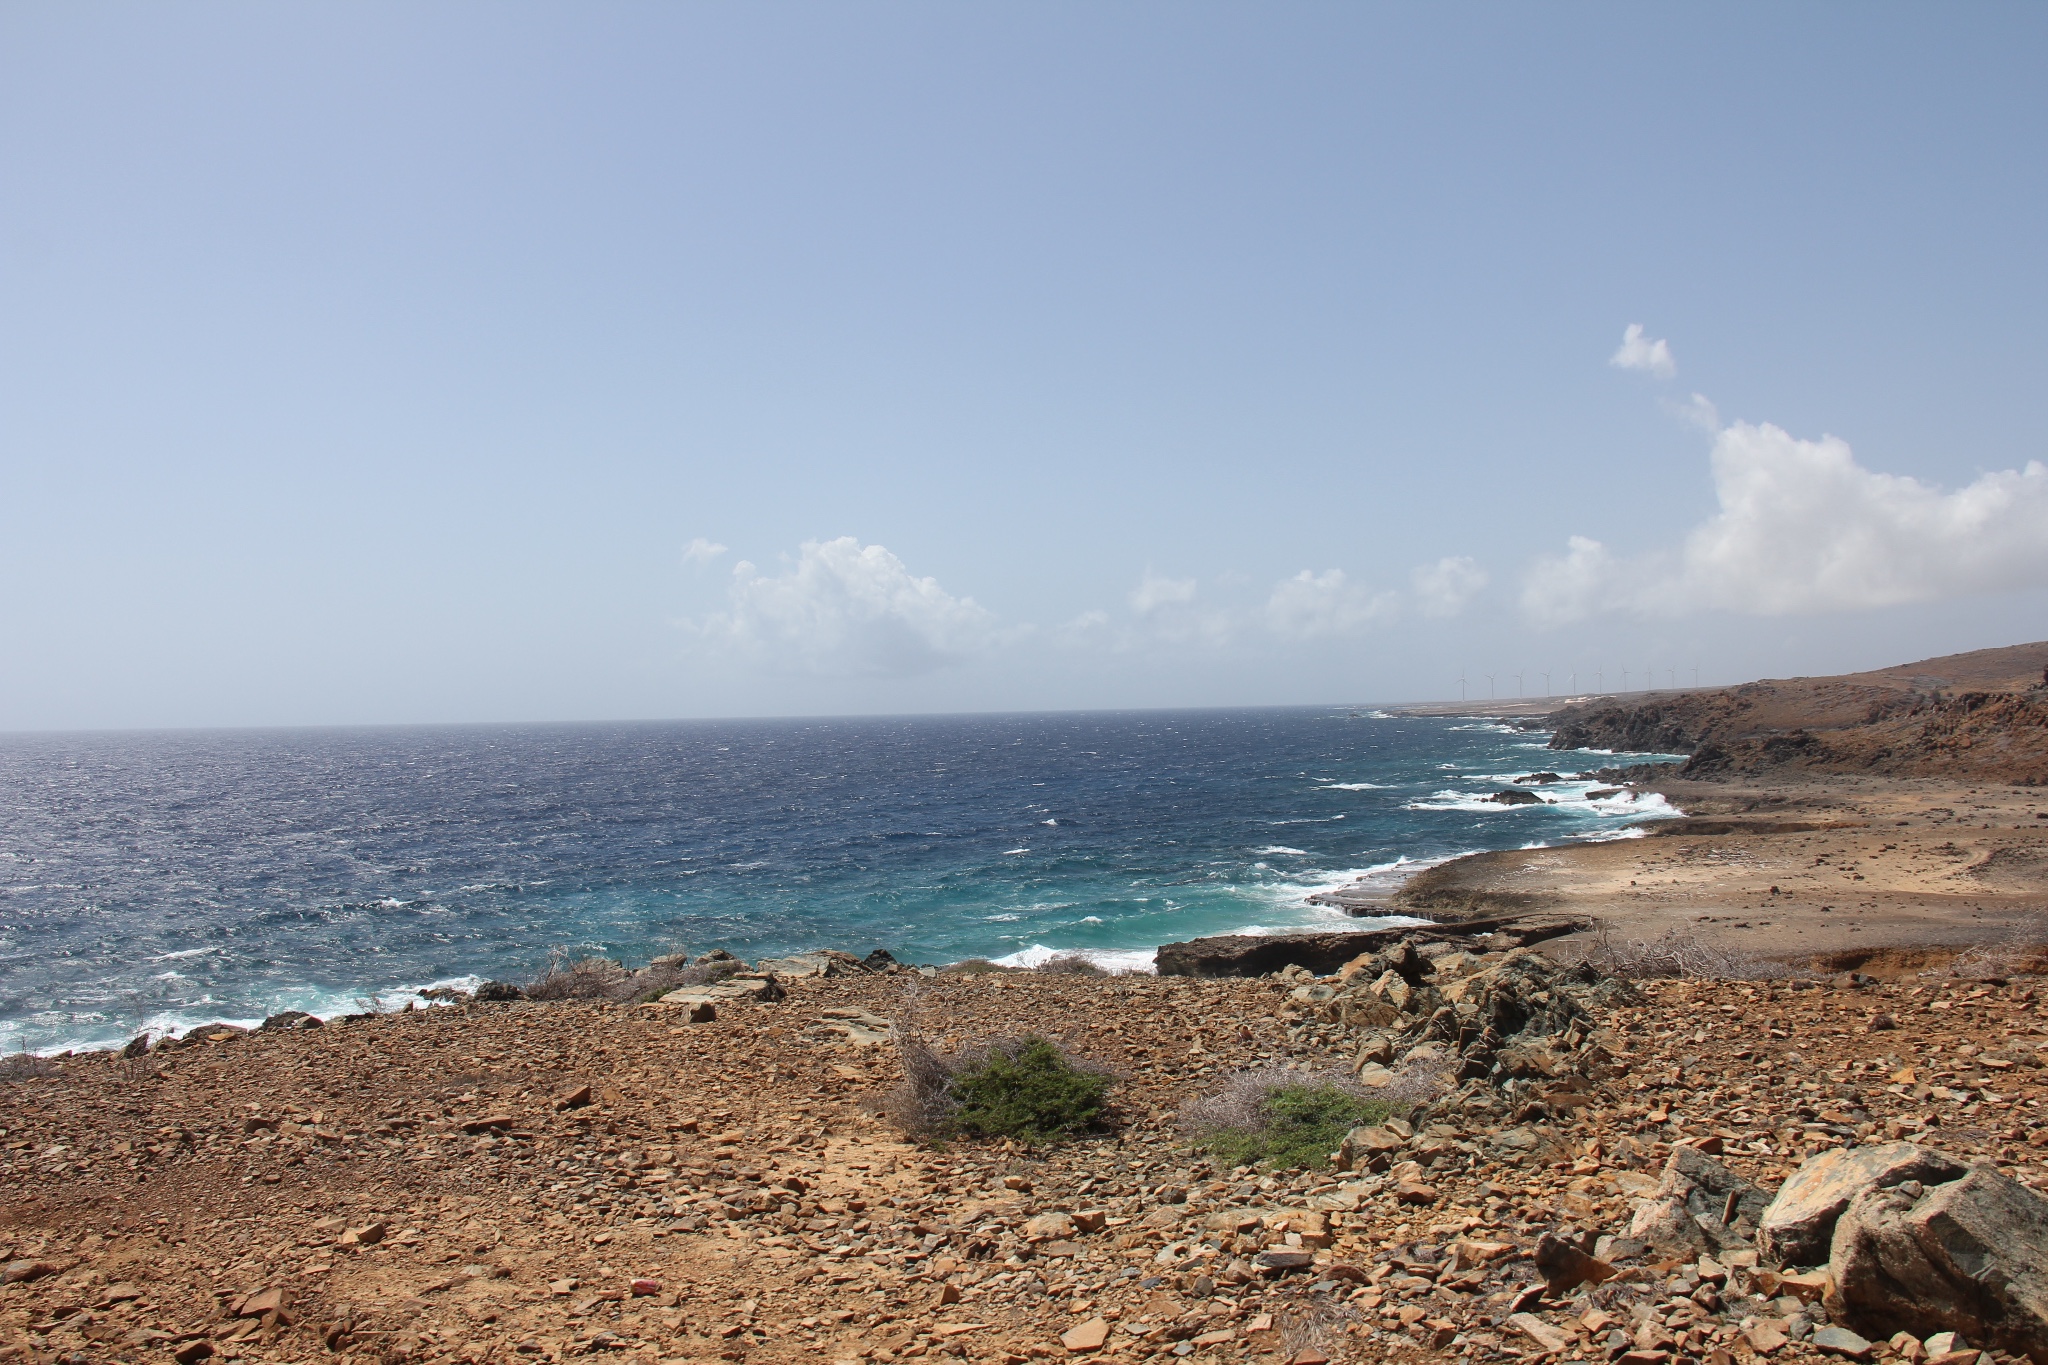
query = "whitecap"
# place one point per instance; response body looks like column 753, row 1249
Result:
column 1352, row 787
column 185, row 952
column 1114, row 960
column 1275, row 849
column 1012, row 852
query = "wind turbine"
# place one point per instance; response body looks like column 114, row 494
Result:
column 1624, row 680
column 1546, row 684
column 1489, row 687
column 1461, row 684
column 1518, row 686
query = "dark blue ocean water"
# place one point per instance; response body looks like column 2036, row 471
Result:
column 159, row 880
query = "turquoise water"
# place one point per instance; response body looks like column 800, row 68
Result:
column 158, row 880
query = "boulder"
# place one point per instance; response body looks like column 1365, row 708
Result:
column 1969, row 1256
column 1799, row 1225
column 806, row 966
column 1514, row 797
column 498, row 992
column 1699, row 1206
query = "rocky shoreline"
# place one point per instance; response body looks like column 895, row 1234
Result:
column 1584, row 1174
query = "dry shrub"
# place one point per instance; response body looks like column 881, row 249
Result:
column 976, row 966
column 24, row 1066
column 2019, row 950
column 584, row 978
column 1678, row 954
column 1071, row 964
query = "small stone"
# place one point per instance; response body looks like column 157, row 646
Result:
column 1766, row 1337
column 1050, row 1227
column 1537, row 1330
column 262, row 1301
column 1091, row 1220
column 1088, row 1336
column 574, row 1098
column 1563, row 1266
column 1908, row 1348
column 1415, row 1192
column 1308, row 1355
column 1276, row 1259
column 949, row 1293
column 368, row 1235
column 19, row 1272
column 1841, row 1341
column 1945, row 1343
column 192, row 1352
column 645, row 1288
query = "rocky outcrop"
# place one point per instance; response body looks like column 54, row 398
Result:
column 1700, row 1206
column 1259, row 954
column 1969, row 1256
column 1799, row 1226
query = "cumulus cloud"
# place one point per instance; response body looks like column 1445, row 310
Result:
column 702, row 551
column 1638, row 352
column 1443, row 588
column 848, row 608
column 1155, row 591
column 1314, row 605
column 1802, row 527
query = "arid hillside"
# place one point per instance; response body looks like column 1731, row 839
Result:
column 1981, row 716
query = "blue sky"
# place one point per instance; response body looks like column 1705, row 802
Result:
column 371, row 363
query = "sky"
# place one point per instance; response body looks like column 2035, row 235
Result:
column 380, row 363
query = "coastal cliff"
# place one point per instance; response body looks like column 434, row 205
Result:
column 1980, row 716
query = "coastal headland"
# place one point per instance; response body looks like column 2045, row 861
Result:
column 1891, row 817
column 1590, row 1153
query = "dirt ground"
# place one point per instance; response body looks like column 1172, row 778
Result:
column 431, row 1186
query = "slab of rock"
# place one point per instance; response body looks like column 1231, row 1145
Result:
column 733, row 990
column 1840, row 1341
column 1969, row 1256
column 1799, row 1225
column 1089, row 1336
column 806, row 966
column 852, row 1025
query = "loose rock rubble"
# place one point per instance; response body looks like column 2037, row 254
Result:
column 1586, row 1176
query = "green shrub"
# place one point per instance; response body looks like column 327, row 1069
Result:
column 1031, row 1093
column 1025, row 1089
column 1283, row 1120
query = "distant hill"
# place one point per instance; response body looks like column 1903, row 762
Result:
column 1981, row 715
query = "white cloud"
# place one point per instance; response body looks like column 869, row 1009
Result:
column 1573, row 585
column 702, row 551
column 1638, row 352
column 848, row 608
column 1443, row 588
column 1154, row 591
column 1312, row 605
column 1803, row 528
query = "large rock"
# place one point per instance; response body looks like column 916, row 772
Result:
column 1700, row 1205
column 733, row 990
column 1969, row 1256
column 1258, row 954
column 1799, row 1225
column 806, row 966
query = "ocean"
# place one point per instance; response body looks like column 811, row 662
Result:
column 158, row 880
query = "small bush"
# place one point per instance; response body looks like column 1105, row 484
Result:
column 1282, row 1119
column 1071, row 964
column 1023, row 1088
column 975, row 966
column 25, row 1065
